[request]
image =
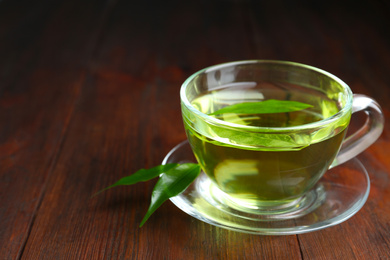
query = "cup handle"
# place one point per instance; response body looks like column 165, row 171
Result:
column 367, row 134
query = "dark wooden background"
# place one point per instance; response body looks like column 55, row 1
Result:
column 89, row 93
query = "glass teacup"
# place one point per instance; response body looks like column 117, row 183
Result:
column 266, row 163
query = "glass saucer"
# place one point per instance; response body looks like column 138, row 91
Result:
column 340, row 193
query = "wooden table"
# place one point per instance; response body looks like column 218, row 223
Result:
column 89, row 93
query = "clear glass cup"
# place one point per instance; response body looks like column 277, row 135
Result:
column 267, row 164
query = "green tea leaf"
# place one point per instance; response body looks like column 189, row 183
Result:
column 170, row 184
column 269, row 106
column 142, row 175
column 253, row 140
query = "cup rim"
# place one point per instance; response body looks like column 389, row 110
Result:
column 219, row 122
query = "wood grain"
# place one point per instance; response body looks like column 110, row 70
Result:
column 90, row 93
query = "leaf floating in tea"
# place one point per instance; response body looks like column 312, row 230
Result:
column 270, row 106
column 170, row 184
column 142, row 175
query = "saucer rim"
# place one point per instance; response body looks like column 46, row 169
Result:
column 295, row 230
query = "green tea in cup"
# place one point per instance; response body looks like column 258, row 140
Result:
column 265, row 132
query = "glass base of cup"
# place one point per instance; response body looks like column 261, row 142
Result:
column 259, row 210
column 339, row 194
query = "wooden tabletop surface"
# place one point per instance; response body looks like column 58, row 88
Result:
column 89, row 93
